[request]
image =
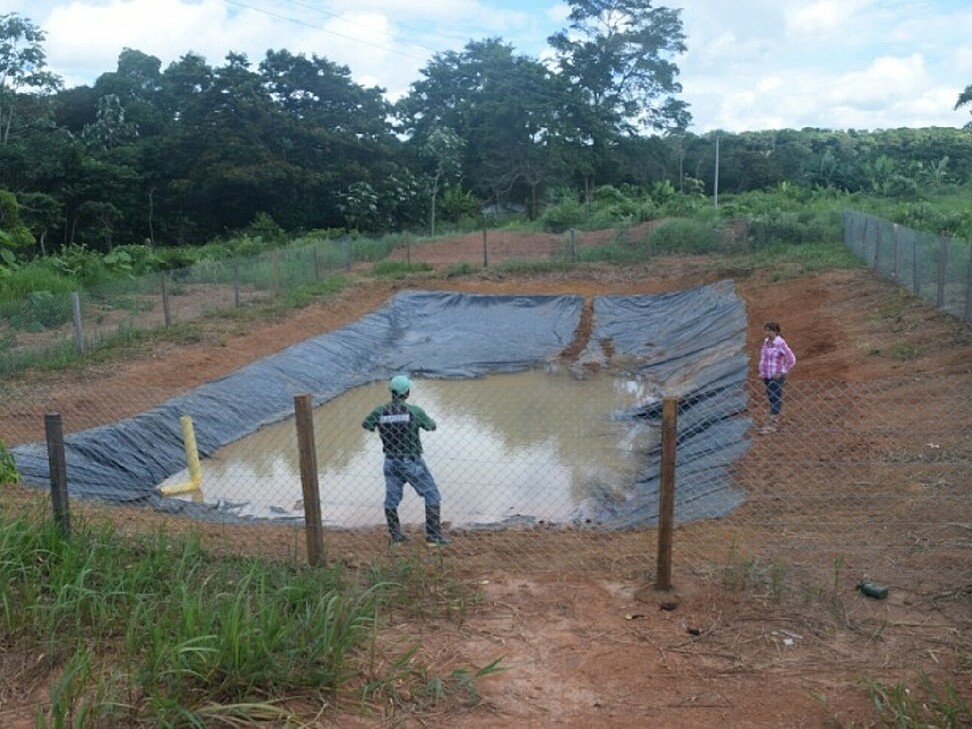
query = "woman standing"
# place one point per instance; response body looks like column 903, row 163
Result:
column 775, row 360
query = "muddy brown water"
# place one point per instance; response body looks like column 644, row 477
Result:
column 540, row 445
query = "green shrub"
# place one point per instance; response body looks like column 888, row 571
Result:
column 568, row 213
column 684, row 236
column 8, row 469
column 35, row 276
column 399, row 268
column 37, row 311
column 459, row 269
column 793, row 228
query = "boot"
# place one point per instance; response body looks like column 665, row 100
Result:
column 394, row 527
column 433, row 527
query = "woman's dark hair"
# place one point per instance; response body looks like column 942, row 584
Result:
column 772, row 326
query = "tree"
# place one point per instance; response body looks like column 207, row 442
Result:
column 14, row 235
column 444, row 148
column 507, row 109
column 965, row 98
column 110, row 127
column 614, row 51
column 41, row 213
column 22, row 67
column 360, row 206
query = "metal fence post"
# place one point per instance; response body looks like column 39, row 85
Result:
column 313, row 526
column 968, row 286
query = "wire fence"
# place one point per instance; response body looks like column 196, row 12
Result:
column 858, row 481
column 46, row 326
column 937, row 268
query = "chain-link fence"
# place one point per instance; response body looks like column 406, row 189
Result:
column 936, row 267
column 859, row 480
column 46, row 326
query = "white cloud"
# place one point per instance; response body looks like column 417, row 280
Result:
column 819, row 17
column 751, row 64
column 887, row 79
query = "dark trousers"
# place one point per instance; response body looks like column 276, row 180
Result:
column 774, row 393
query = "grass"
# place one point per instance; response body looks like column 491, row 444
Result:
column 155, row 631
column 925, row 706
column 741, row 573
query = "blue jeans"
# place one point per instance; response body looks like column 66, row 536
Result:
column 774, row 393
column 400, row 470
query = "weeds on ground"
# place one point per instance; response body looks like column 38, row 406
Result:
column 154, row 630
column 928, row 706
column 400, row 269
column 740, row 573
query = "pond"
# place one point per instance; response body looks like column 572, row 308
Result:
column 541, row 445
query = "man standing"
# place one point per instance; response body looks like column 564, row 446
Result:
column 398, row 424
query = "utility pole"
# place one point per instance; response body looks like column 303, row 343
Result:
column 715, row 184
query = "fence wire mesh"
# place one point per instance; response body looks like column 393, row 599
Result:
column 870, row 480
column 50, row 326
column 934, row 267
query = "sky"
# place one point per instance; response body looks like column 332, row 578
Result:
column 750, row 65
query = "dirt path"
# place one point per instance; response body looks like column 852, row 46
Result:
column 584, row 651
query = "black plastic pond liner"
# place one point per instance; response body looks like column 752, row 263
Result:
column 689, row 343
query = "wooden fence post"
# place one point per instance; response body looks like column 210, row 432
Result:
column 313, row 526
column 485, row 251
column 666, row 495
column 236, row 282
column 275, row 259
column 57, row 464
column 942, row 269
column 78, row 329
column 897, row 253
column 877, row 250
column 915, row 268
column 166, row 312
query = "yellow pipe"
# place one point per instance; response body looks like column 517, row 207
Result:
column 192, row 459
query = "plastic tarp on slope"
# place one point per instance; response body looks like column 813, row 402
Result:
column 691, row 345
column 691, row 340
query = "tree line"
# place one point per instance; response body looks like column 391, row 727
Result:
column 195, row 151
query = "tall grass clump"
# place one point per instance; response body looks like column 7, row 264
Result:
column 567, row 212
column 153, row 630
column 929, row 706
column 684, row 236
column 794, row 228
column 193, row 634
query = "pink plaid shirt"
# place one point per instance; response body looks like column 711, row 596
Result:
column 775, row 358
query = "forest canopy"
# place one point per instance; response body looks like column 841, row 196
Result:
column 196, row 150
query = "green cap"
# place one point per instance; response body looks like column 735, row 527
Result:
column 400, row 384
